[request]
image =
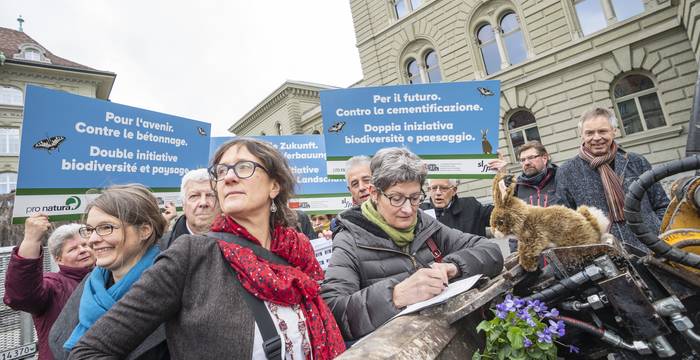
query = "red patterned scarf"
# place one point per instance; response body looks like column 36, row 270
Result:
column 612, row 185
column 285, row 285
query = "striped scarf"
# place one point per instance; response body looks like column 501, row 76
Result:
column 612, row 185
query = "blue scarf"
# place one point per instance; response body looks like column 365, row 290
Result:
column 96, row 300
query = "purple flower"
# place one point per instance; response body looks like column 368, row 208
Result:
column 538, row 306
column 556, row 327
column 527, row 343
column 573, row 349
column 544, row 336
column 501, row 314
column 508, row 305
column 552, row 313
column 524, row 314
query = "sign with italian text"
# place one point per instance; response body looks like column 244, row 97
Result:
column 306, row 155
column 453, row 127
column 72, row 146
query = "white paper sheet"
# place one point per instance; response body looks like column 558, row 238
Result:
column 452, row 290
column 323, row 248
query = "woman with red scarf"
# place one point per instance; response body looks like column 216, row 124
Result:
column 220, row 294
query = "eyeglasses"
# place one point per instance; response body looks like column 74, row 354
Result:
column 397, row 200
column 529, row 158
column 442, row 188
column 102, row 230
column 243, row 169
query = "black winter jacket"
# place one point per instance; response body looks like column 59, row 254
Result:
column 366, row 265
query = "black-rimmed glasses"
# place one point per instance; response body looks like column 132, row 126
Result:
column 397, row 200
column 243, row 169
column 102, row 230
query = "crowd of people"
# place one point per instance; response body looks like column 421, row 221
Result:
column 236, row 274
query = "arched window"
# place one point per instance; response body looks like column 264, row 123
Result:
column 9, row 141
column 489, row 49
column 513, row 39
column 316, row 132
column 522, row 128
column 10, row 96
column 421, row 64
column 432, row 67
column 594, row 15
column 413, row 71
column 262, row 133
column 404, row 7
column 8, row 182
column 637, row 104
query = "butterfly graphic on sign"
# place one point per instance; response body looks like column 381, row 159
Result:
column 484, row 91
column 337, row 127
column 201, row 131
column 49, row 143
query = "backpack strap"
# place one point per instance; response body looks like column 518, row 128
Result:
column 437, row 254
column 272, row 343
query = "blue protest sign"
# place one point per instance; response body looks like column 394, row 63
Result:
column 306, row 155
column 73, row 144
column 452, row 126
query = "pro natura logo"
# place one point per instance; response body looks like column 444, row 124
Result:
column 71, row 204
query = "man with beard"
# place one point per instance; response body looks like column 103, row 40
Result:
column 601, row 174
column 465, row 214
column 536, row 185
column 199, row 205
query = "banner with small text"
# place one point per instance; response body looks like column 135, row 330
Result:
column 73, row 146
column 453, row 127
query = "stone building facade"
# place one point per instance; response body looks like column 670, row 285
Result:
column 554, row 58
column 23, row 61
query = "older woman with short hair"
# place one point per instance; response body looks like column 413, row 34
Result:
column 382, row 261
column 247, row 290
column 28, row 288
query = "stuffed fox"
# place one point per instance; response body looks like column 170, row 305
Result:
column 538, row 228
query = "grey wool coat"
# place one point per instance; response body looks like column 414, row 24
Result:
column 579, row 184
column 366, row 265
column 191, row 289
column 152, row 347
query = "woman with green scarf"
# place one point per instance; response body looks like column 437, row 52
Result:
column 388, row 254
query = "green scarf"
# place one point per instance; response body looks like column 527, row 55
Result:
column 399, row 237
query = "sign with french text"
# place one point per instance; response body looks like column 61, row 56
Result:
column 453, row 127
column 72, row 146
column 306, row 155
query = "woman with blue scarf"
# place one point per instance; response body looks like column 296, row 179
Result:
column 122, row 226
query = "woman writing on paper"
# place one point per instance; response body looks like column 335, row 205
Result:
column 387, row 254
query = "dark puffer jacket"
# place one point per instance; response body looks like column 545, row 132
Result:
column 543, row 193
column 578, row 184
column 464, row 214
column 366, row 265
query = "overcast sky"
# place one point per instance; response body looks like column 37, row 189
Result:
column 206, row 60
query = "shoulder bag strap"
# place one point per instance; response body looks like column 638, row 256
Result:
column 272, row 343
column 437, row 254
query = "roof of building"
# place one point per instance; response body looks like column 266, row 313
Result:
column 12, row 40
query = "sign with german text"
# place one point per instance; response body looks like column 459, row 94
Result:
column 72, row 146
column 306, row 155
column 453, row 127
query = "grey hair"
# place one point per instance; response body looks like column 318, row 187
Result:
column 59, row 236
column 391, row 166
column 596, row 112
column 197, row 175
column 452, row 182
column 356, row 161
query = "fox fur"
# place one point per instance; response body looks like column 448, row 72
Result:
column 538, row 228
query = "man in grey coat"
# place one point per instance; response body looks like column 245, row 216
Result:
column 600, row 176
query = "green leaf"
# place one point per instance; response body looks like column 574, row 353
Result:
column 476, row 356
column 495, row 334
column 515, row 336
column 504, row 353
column 485, row 326
column 535, row 354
